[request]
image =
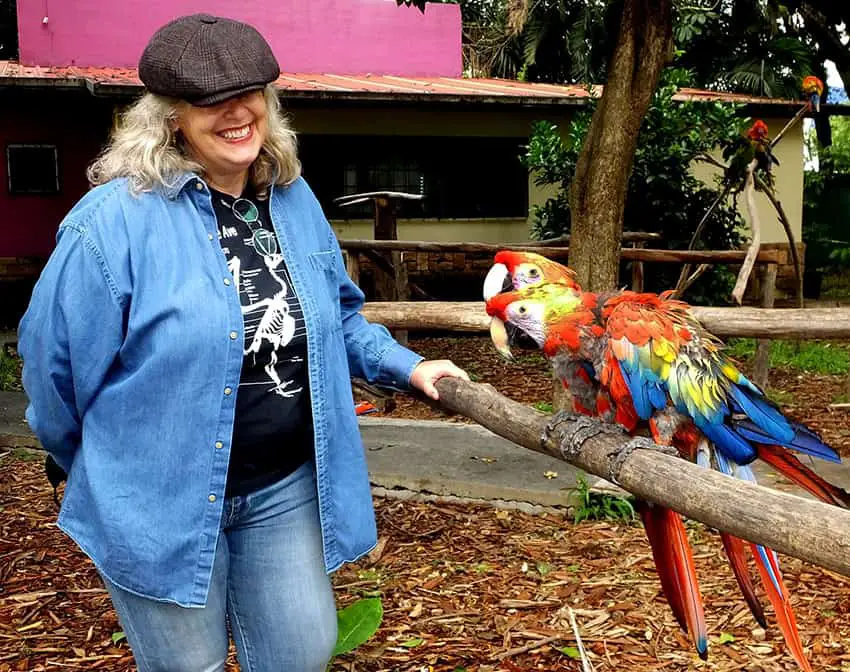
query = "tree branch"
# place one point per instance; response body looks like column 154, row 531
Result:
column 755, row 242
column 802, row 528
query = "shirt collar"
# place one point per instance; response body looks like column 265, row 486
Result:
column 174, row 189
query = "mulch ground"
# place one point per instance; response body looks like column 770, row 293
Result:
column 463, row 587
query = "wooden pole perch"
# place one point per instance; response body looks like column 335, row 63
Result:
column 802, row 528
column 470, row 316
column 755, row 241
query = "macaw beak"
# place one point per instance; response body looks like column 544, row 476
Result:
column 497, row 281
column 500, row 338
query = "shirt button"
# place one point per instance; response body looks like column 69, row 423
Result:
column 227, row 281
column 233, row 335
column 199, row 186
column 219, row 444
column 210, row 236
column 227, row 391
column 211, row 498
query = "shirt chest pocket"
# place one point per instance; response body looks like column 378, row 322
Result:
column 326, row 287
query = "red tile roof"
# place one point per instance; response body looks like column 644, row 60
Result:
column 116, row 81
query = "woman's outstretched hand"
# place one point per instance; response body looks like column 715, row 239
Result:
column 430, row 371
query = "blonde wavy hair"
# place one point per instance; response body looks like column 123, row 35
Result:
column 145, row 148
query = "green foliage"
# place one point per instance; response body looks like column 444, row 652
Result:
column 826, row 203
column 663, row 194
column 118, row 637
column 569, row 652
column 357, row 623
column 822, row 357
column 10, row 372
column 598, row 506
column 544, row 406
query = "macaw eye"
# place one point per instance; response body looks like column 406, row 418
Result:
column 522, row 310
column 533, row 272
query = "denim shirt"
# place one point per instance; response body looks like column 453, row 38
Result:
column 132, row 347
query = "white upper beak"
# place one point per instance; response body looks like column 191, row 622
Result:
column 494, row 283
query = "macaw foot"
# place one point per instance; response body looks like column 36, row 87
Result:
column 573, row 430
column 620, row 455
column 555, row 422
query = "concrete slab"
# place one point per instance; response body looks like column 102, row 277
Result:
column 450, row 459
column 446, row 458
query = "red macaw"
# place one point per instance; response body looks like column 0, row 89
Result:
column 655, row 367
column 813, row 88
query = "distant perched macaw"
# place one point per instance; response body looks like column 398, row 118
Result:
column 654, row 367
column 813, row 88
column 755, row 145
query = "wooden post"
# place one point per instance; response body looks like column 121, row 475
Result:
column 391, row 282
column 390, row 286
column 637, row 269
column 352, row 265
column 761, row 366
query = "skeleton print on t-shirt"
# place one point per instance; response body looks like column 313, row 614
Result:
column 271, row 311
column 273, row 428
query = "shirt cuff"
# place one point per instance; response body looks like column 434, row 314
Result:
column 397, row 364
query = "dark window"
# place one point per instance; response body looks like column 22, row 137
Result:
column 459, row 177
column 32, row 169
column 8, row 30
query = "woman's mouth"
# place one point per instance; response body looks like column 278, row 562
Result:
column 237, row 134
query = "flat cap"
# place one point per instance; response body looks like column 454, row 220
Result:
column 206, row 59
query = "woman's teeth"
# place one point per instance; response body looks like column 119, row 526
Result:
column 236, row 133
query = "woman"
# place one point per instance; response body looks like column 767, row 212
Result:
column 201, row 265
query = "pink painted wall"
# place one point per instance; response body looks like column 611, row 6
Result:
column 309, row 36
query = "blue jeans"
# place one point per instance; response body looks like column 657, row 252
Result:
column 268, row 579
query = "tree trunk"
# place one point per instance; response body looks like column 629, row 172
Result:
column 598, row 190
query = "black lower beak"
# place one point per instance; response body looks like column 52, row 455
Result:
column 517, row 338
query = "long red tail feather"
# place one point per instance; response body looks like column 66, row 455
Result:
column 675, row 564
column 734, row 548
column 781, row 605
column 789, row 466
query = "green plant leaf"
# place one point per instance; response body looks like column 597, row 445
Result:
column 543, row 568
column 412, row 643
column 118, row 636
column 725, row 638
column 570, row 652
column 357, row 623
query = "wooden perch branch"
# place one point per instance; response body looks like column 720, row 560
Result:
column 755, row 241
column 792, row 525
column 470, row 316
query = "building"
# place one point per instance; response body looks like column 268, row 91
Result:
column 374, row 90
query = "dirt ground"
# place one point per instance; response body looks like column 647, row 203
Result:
column 464, row 588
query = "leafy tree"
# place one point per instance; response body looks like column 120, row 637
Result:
column 663, row 194
column 827, row 201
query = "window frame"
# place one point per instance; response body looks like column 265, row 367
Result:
column 57, row 189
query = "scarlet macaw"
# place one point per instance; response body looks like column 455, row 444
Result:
column 813, row 88
column 654, row 367
column 755, row 145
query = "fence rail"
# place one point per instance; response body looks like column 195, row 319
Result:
column 767, row 323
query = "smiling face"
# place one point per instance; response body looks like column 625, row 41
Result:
column 226, row 138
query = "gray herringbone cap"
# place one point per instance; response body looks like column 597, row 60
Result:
column 206, row 59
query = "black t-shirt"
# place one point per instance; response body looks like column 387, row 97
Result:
column 273, row 428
